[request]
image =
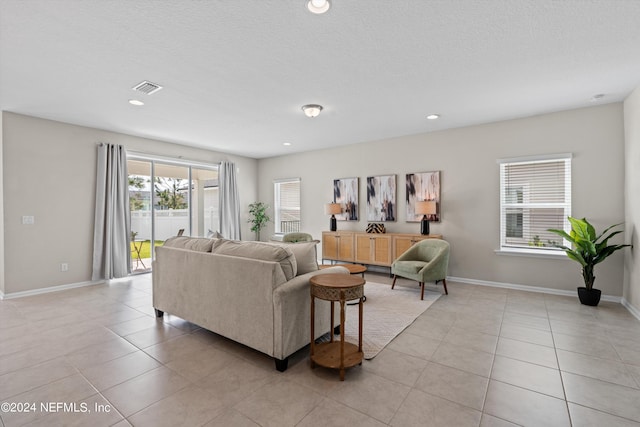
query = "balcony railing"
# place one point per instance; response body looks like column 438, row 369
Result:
column 289, row 226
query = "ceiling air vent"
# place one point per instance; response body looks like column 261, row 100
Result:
column 147, row 87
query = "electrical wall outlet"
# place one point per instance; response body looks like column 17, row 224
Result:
column 28, row 219
column 64, row 267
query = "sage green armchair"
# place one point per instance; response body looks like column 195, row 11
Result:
column 297, row 237
column 426, row 261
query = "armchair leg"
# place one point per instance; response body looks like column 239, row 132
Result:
column 394, row 281
column 421, row 291
column 444, row 282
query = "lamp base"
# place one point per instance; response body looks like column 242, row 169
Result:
column 333, row 224
column 424, row 226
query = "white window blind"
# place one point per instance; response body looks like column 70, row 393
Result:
column 535, row 195
column 287, row 205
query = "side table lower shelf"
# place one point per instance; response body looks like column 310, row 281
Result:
column 328, row 355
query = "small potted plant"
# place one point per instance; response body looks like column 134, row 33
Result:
column 258, row 217
column 588, row 250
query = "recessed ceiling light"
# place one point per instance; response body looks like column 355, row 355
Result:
column 433, row 116
column 318, row 6
column 286, row 143
column 597, row 97
column 136, row 102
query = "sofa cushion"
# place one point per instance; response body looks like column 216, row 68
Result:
column 261, row 251
column 198, row 244
column 306, row 255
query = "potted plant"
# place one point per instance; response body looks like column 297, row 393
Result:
column 258, row 217
column 588, row 250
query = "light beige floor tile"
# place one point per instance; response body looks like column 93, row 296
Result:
column 20, row 381
column 530, row 335
column 331, row 413
column 396, row 366
column 234, row 383
column 628, row 354
column 601, row 369
column 135, row 325
column 603, row 396
column 421, row 409
column 279, row 403
column 191, row 406
column 26, row 358
column 634, row 371
column 414, row 345
column 491, row 421
column 527, row 352
column 596, row 347
column 587, row 417
column 174, row 348
column 537, row 310
column 471, row 339
column 527, row 375
column 469, row 360
column 72, row 389
column 98, row 413
column 453, row 384
column 154, row 335
column 370, row 394
column 116, row 371
column 229, row 418
column 137, row 393
column 197, row 365
column 528, row 321
column 486, row 325
column 318, row 379
column 123, row 315
column 430, row 327
column 525, row 407
column 100, row 353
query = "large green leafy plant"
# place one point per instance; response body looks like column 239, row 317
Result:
column 589, row 248
column 258, row 217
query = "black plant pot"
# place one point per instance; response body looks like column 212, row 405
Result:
column 589, row 297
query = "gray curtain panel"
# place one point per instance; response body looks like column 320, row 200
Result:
column 112, row 228
column 229, row 201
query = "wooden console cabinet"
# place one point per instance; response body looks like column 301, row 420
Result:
column 338, row 246
column 368, row 248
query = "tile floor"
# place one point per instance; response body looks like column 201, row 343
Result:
column 479, row 357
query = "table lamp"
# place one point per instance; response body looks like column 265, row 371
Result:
column 332, row 209
column 424, row 208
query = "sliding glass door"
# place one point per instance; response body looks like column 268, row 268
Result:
column 166, row 199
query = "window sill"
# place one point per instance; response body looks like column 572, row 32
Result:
column 532, row 253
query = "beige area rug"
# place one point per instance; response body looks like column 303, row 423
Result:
column 386, row 313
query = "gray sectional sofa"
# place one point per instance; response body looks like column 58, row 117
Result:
column 254, row 293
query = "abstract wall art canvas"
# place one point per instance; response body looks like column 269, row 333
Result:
column 345, row 192
column 381, row 198
column 422, row 186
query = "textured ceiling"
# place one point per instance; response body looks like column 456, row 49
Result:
column 236, row 72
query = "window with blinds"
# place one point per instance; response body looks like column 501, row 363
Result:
column 535, row 195
column 287, row 205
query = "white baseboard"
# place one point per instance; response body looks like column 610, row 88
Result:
column 527, row 288
column 634, row 311
column 49, row 289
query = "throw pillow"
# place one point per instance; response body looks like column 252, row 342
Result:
column 198, row 244
column 306, row 255
column 259, row 250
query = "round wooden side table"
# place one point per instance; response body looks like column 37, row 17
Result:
column 341, row 288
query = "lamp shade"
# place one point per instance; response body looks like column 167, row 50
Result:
column 426, row 207
column 332, row 208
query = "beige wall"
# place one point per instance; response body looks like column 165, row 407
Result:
column 469, row 186
column 2, row 291
column 49, row 172
column 632, row 198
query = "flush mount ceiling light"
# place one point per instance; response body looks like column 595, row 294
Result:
column 318, row 6
column 286, row 144
column 597, row 97
column 136, row 102
column 433, row 116
column 312, row 110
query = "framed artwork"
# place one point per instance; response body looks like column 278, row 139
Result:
column 381, row 198
column 345, row 192
column 422, row 186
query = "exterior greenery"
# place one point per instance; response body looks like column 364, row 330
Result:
column 258, row 217
column 589, row 248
